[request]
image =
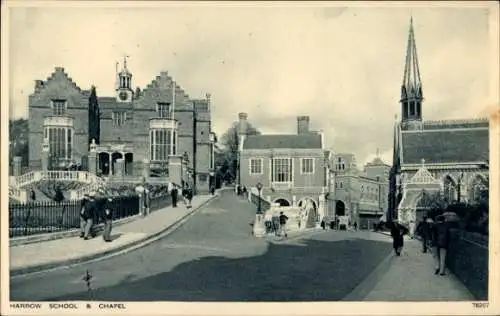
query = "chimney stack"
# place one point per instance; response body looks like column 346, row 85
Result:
column 303, row 124
column 242, row 123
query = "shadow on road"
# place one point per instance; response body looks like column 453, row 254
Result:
column 320, row 271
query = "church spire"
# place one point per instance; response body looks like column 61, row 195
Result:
column 411, row 88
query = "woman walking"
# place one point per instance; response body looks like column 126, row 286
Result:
column 442, row 239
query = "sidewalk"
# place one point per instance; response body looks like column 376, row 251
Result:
column 66, row 251
column 410, row 277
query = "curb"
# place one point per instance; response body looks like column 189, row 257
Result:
column 111, row 252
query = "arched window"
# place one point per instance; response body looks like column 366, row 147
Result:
column 477, row 188
column 450, row 189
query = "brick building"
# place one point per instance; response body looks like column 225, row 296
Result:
column 292, row 169
column 134, row 133
column 361, row 195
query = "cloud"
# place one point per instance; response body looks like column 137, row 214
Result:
column 342, row 67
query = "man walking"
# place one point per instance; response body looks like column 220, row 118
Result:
column 189, row 196
column 283, row 219
column 172, row 188
column 83, row 214
column 89, row 211
column 108, row 217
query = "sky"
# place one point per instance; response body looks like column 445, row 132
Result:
column 342, row 66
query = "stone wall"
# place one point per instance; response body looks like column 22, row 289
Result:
column 468, row 259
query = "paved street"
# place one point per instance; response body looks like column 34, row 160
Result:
column 213, row 257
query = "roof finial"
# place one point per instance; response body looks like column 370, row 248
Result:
column 422, row 161
column 125, row 61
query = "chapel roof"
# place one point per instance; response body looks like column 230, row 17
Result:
column 302, row 141
column 446, row 143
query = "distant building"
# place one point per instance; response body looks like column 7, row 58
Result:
column 361, row 195
column 449, row 158
column 293, row 169
column 139, row 128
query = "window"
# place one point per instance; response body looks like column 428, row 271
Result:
column 163, row 143
column 282, row 170
column 119, row 118
column 60, row 143
column 163, row 110
column 341, row 185
column 59, row 107
column 256, row 166
column 307, row 165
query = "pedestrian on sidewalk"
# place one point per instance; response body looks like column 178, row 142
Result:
column 147, row 201
column 32, row 195
column 212, row 190
column 355, row 226
column 323, row 225
column 425, row 231
column 83, row 214
column 397, row 233
column 139, row 190
column 442, row 240
column 108, row 218
column 88, row 216
column 174, row 193
column 189, row 196
column 283, row 218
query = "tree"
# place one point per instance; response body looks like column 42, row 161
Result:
column 227, row 158
column 18, row 140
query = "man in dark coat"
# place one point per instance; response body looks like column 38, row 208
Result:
column 108, row 218
column 283, row 218
column 174, row 193
column 88, row 213
column 397, row 233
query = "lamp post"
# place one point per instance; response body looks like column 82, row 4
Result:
column 259, row 229
column 259, row 205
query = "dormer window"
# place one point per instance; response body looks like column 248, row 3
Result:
column 59, row 107
column 163, row 110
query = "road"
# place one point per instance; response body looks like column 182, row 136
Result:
column 214, row 257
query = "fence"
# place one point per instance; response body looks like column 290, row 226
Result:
column 468, row 259
column 160, row 201
column 41, row 217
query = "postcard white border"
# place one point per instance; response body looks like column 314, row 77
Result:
column 335, row 308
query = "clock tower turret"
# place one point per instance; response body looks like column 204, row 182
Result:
column 124, row 92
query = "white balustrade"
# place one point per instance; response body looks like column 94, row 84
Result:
column 18, row 194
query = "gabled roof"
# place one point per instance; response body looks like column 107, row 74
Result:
column 303, row 141
column 445, row 145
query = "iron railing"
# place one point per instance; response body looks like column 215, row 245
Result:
column 40, row 217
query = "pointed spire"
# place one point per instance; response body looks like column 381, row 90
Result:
column 412, row 85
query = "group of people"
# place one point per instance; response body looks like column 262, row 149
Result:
column 93, row 209
column 186, row 193
column 241, row 191
column 276, row 224
column 435, row 234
